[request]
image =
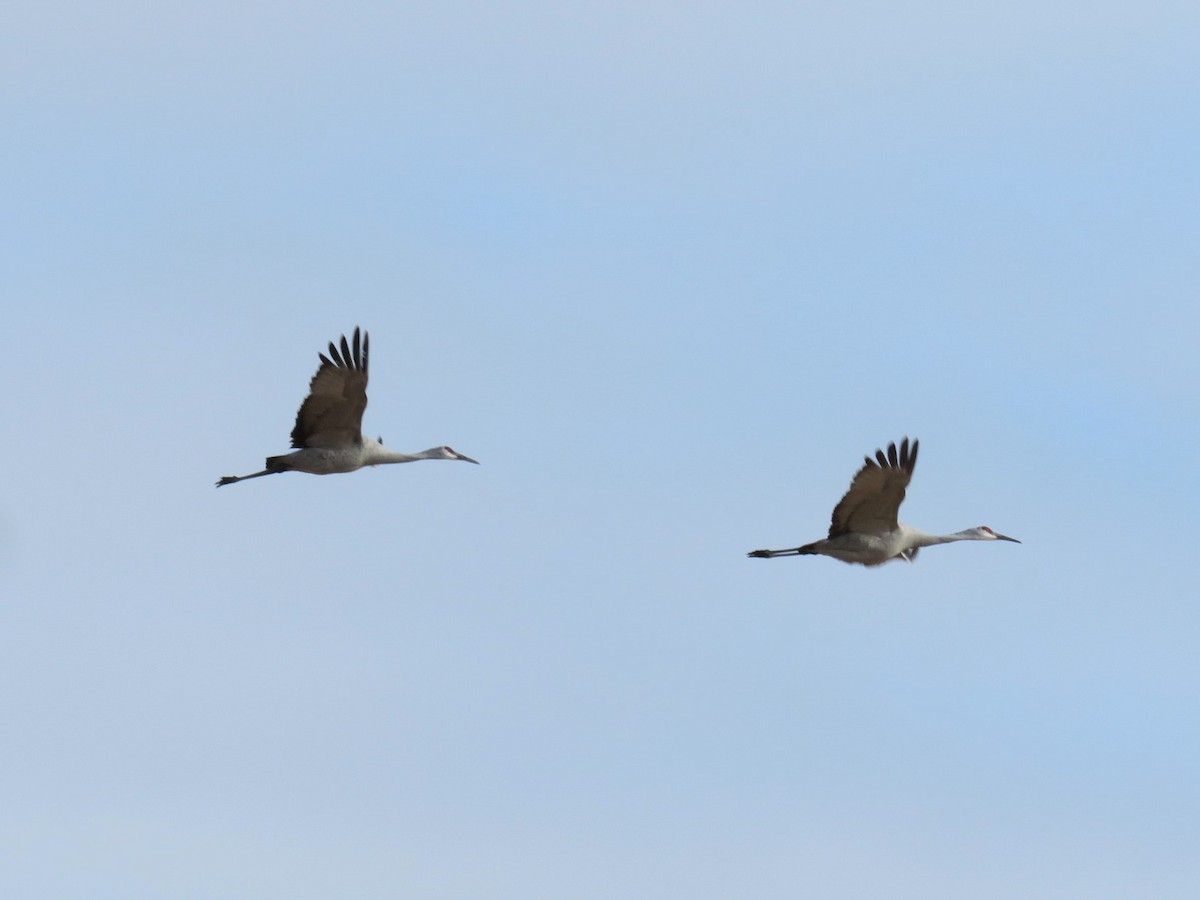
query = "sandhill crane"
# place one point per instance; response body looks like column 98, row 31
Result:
column 328, row 433
column 865, row 528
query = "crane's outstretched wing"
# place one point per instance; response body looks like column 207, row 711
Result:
column 873, row 501
column 331, row 414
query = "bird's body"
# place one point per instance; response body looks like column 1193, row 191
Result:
column 328, row 432
column 368, row 452
column 865, row 528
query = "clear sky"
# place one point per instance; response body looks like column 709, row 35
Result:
column 668, row 271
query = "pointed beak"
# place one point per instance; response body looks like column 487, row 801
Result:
column 458, row 455
column 1005, row 537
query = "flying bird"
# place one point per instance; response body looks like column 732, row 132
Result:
column 865, row 528
column 328, row 434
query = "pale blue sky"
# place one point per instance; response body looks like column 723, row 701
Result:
column 668, row 271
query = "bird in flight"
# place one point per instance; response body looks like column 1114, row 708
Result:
column 328, row 434
column 865, row 528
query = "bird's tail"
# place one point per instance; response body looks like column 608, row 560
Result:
column 278, row 464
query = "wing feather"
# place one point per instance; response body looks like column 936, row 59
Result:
column 331, row 414
column 872, row 503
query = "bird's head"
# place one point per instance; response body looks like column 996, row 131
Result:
column 986, row 534
column 444, row 452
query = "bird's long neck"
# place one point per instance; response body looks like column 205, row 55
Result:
column 375, row 454
column 924, row 539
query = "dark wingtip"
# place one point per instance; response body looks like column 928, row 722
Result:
column 903, row 458
column 353, row 354
column 334, row 355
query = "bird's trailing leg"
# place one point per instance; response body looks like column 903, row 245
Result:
column 232, row 479
column 806, row 550
column 275, row 464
